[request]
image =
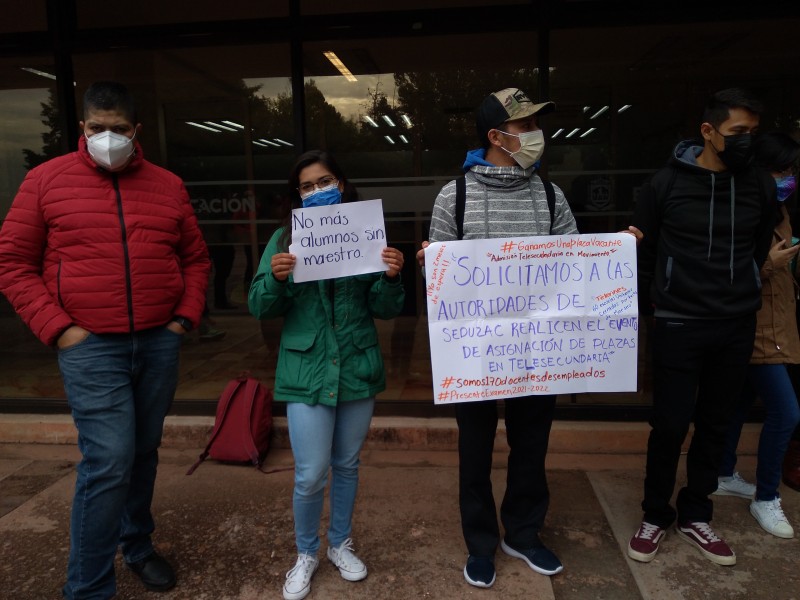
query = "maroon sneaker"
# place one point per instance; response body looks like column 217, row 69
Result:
column 701, row 536
column 644, row 544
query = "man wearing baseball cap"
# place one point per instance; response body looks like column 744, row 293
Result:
column 505, row 197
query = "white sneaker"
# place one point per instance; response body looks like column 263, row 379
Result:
column 298, row 579
column 735, row 486
column 350, row 566
column 769, row 515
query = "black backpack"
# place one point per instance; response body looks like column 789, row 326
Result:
column 461, row 203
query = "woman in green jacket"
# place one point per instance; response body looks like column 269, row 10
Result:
column 329, row 370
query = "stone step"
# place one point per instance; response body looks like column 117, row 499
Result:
column 386, row 433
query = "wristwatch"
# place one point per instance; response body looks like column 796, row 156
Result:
column 183, row 322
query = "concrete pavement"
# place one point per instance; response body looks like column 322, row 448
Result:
column 228, row 529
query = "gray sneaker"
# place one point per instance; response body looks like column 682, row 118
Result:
column 735, row 485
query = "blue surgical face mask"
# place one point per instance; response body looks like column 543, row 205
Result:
column 786, row 187
column 323, row 197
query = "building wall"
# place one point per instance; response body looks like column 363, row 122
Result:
column 630, row 80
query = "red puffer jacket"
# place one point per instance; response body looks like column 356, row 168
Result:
column 110, row 252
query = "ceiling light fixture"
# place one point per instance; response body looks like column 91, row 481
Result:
column 270, row 142
column 557, row 133
column 257, row 143
column 336, row 62
column 599, row 112
column 206, row 127
column 388, row 120
column 406, row 120
column 38, row 72
column 225, row 127
column 624, row 107
column 389, row 139
column 404, row 138
column 588, row 131
column 586, row 109
column 573, row 132
column 370, row 120
column 232, row 124
column 285, row 143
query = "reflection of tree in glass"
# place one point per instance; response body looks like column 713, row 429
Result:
column 51, row 138
column 377, row 107
column 327, row 128
column 442, row 104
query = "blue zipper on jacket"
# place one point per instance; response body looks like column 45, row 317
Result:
column 128, row 285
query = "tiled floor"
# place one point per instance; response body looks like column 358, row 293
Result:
column 228, row 529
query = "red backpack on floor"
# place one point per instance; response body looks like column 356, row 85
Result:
column 242, row 424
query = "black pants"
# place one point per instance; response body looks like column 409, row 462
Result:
column 528, row 421
column 699, row 368
column 222, row 257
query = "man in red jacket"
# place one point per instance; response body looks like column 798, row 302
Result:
column 102, row 257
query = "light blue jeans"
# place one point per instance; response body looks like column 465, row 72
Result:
column 772, row 384
column 119, row 388
column 323, row 438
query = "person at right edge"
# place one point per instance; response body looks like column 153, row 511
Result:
column 791, row 460
column 707, row 220
column 505, row 197
column 777, row 345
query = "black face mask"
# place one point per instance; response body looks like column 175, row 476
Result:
column 738, row 152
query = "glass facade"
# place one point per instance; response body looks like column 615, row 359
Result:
column 228, row 96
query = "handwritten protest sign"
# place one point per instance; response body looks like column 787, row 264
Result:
column 536, row 315
column 338, row 240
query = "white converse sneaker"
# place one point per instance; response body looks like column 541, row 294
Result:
column 298, row 579
column 735, row 485
column 769, row 515
column 350, row 566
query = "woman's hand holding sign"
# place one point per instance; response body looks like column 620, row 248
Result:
column 394, row 260
column 282, row 264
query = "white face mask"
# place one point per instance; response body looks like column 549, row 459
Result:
column 531, row 147
column 110, row 150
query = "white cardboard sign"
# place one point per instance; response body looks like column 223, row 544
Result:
column 531, row 316
column 338, row 240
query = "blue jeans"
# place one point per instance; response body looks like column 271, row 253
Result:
column 326, row 437
column 772, row 384
column 119, row 388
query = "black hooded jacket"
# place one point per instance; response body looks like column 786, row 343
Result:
column 706, row 235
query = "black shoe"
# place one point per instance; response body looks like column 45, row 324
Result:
column 155, row 572
column 479, row 571
column 539, row 558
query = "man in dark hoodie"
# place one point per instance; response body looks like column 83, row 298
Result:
column 707, row 220
column 504, row 197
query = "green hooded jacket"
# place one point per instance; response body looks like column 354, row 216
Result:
column 329, row 350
